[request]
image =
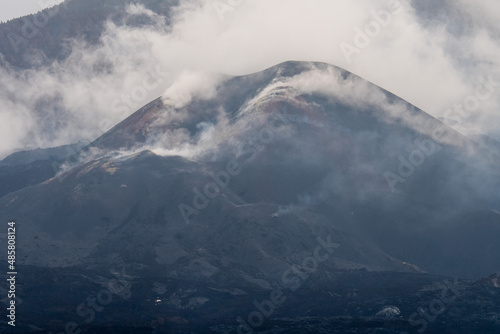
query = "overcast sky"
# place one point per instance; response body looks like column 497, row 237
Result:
column 432, row 53
column 10, row 9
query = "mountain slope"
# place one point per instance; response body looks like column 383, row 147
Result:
column 37, row 40
column 27, row 168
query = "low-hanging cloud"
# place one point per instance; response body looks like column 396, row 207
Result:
column 421, row 57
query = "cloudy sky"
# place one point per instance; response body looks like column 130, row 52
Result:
column 10, row 9
column 437, row 54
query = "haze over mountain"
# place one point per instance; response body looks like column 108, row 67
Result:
column 297, row 198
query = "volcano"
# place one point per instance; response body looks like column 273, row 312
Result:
column 301, row 180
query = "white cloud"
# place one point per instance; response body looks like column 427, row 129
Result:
column 188, row 85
